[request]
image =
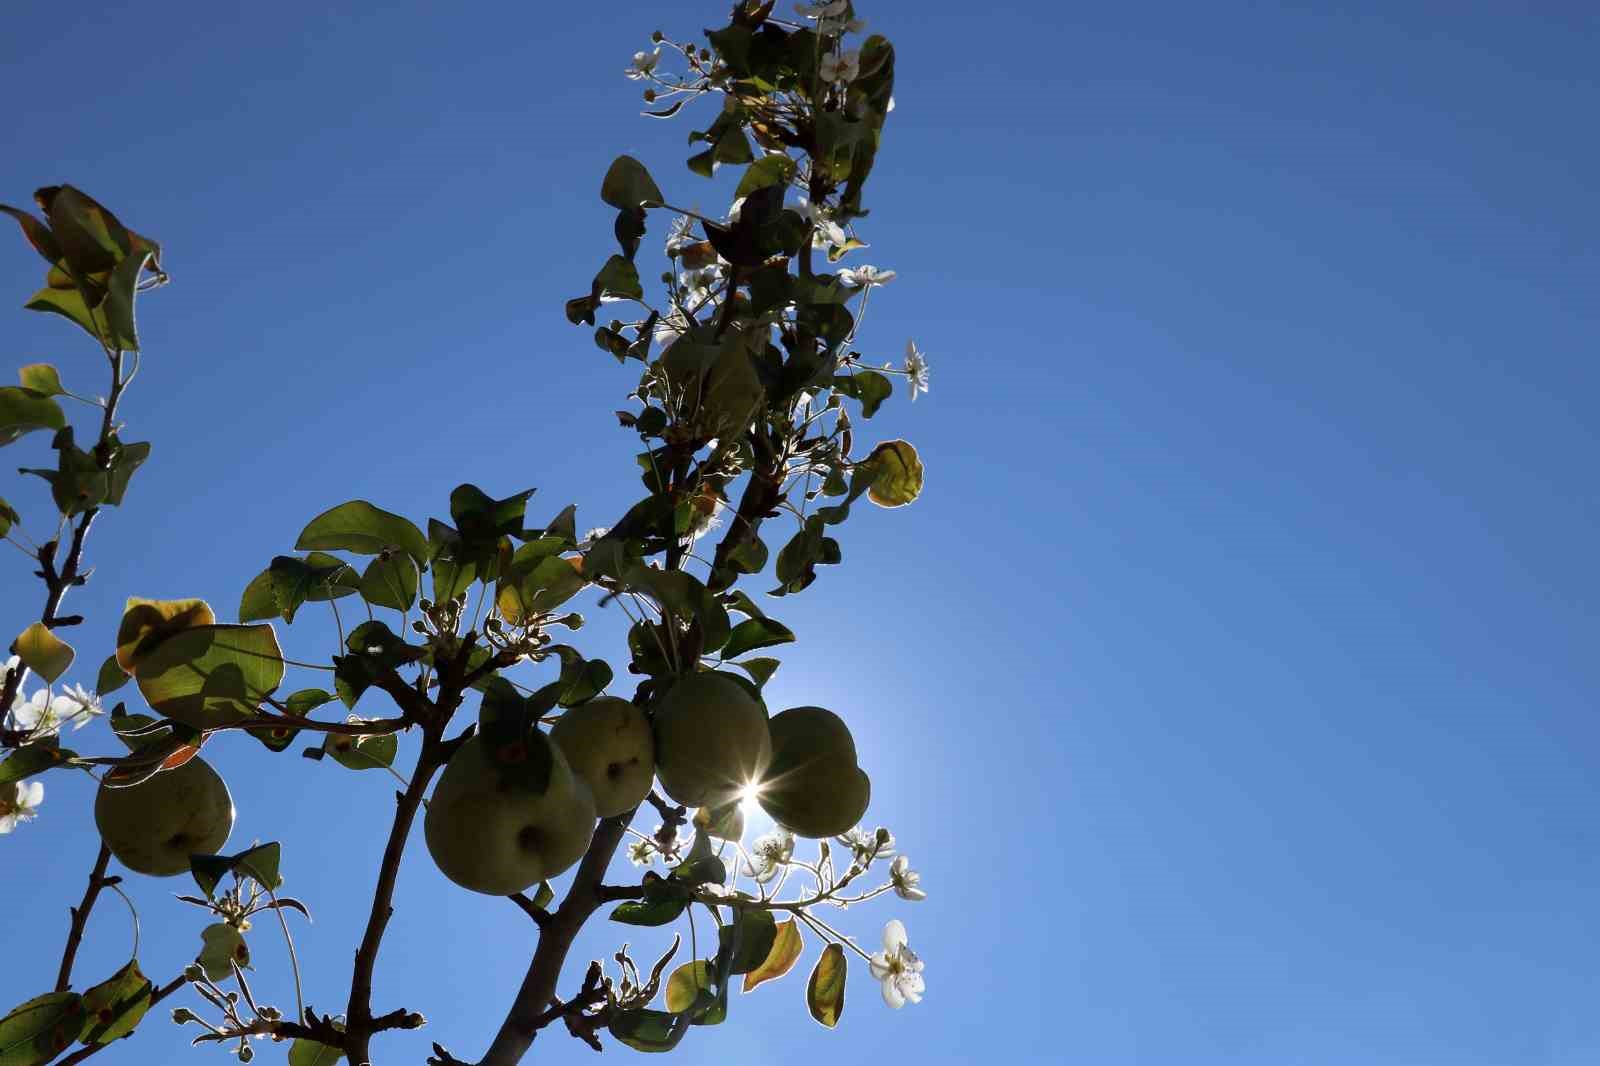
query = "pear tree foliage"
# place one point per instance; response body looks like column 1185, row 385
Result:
column 536, row 764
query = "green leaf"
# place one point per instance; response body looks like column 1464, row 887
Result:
column 121, row 290
column 40, row 1029
column 259, row 863
column 759, row 669
column 41, row 378
column 23, row 410
column 703, row 163
column 868, row 386
column 773, row 169
column 306, row 700
column 360, row 527
column 293, row 581
column 649, row 912
column 755, row 633
column 38, row 234
column 758, row 932
column 221, row 947
column 258, row 600
column 212, row 676
column 110, row 678
column 897, row 480
column 581, row 679
column 825, row 990
column 362, row 753
column 781, row 957
column 115, row 1006
column 628, row 185
column 305, row 1052
column 545, row 896
column 32, row 759
column 8, row 517
column 43, row 652
column 648, row 1030
column 619, row 277
column 390, row 581
column 69, row 304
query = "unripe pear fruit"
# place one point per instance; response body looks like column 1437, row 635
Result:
column 607, row 742
column 711, row 740
column 492, row 835
column 153, row 827
column 814, row 787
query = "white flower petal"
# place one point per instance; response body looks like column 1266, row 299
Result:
column 894, row 936
column 892, row 994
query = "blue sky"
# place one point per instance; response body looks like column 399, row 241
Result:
column 1233, row 683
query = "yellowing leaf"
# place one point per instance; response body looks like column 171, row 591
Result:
column 825, row 990
column 43, row 652
column 146, row 623
column 780, row 960
column 116, row 1005
column 686, row 983
column 211, row 676
column 898, row 480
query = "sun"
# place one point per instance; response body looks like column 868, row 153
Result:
column 749, row 798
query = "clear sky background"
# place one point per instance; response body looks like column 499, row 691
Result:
column 1233, row 684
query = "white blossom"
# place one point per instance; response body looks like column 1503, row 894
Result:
column 866, row 846
column 13, row 665
column 898, row 967
column 916, row 370
column 643, row 65
column 906, row 880
column 18, row 802
column 640, row 852
column 824, row 231
column 43, row 716
column 841, row 68
column 865, row 276
column 680, row 233
column 768, row 855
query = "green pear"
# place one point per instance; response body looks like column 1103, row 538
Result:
column 607, row 742
column 711, row 740
column 814, row 787
column 153, row 827
column 488, row 833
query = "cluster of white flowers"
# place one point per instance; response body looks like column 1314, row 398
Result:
column 44, row 714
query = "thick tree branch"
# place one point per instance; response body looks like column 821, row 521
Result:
column 360, row 1024
column 529, row 1011
column 80, row 916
